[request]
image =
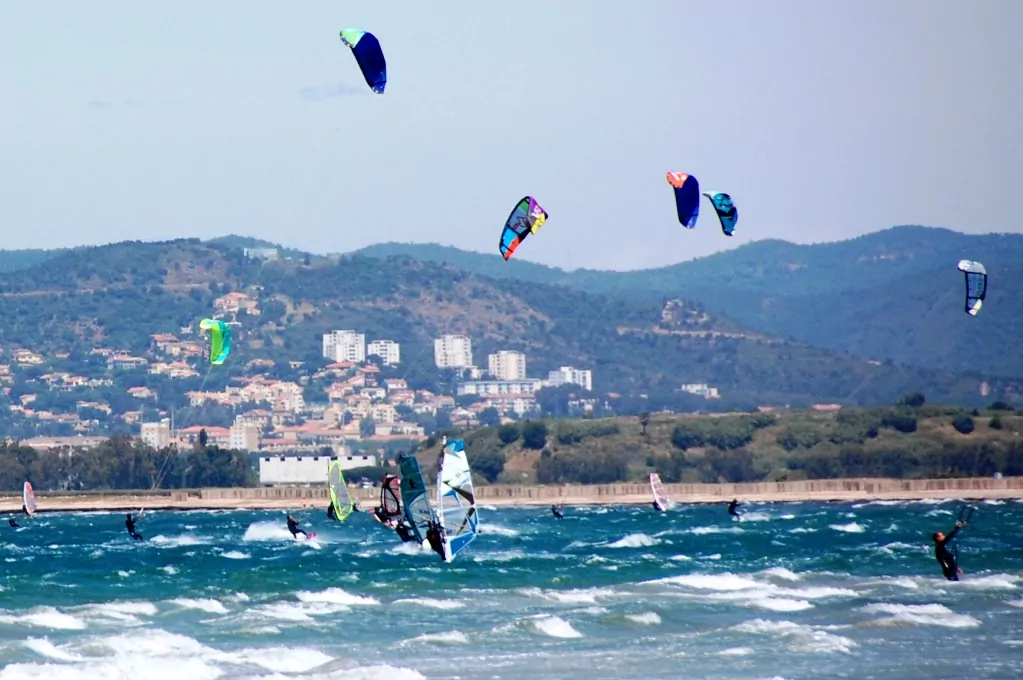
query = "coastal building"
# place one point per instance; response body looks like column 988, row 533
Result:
column 344, row 346
column 388, row 350
column 305, row 469
column 157, row 435
column 484, row 388
column 566, row 375
column 244, row 435
column 507, row 365
column 452, row 351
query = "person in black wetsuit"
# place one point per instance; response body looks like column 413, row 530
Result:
column 657, row 507
column 404, row 531
column 433, row 535
column 293, row 528
column 13, row 522
column 330, row 512
column 733, row 507
column 129, row 524
column 948, row 563
column 381, row 515
column 556, row 512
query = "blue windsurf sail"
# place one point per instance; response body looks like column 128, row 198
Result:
column 417, row 508
column 456, row 500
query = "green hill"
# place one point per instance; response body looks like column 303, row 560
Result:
column 892, row 295
column 642, row 350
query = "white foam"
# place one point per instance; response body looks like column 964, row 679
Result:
column 782, row 573
column 267, row 531
column 179, row 541
column 451, row 637
column 780, row 604
column 554, row 626
column 335, row 596
column 127, row 612
column 46, row 648
column 46, row 617
column 921, row 614
column 634, row 541
column 170, row 570
column 236, row 555
column 719, row 582
column 498, row 530
column 578, row 596
column 800, row 638
column 208, row 605
column 646, row 618
column 432, row 603
column 992, row 582
column 850, row 528
column 702, row 531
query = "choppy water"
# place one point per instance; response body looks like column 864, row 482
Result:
column 797, row 590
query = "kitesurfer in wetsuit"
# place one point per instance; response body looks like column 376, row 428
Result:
column 733, row 507
column 556, row 512
column 293, row 528
column 435, row 539
column 129, row 524
column 13, row 522
column 948, row 563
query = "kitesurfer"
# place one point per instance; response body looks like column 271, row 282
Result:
column 433, row 535
column 948, row 563
column 13, row 522
column 129, row 524
column 556, row 512
column 293, row 528
column 733, row 507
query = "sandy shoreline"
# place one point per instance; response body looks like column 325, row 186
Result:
column 297, row 498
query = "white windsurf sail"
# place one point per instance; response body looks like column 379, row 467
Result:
column 456, row 500
column 657, row 489
column 29, row 498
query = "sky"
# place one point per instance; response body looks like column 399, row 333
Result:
column 824, row 120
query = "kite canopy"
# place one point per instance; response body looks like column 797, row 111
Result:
column 976, row 285
column 526, row 218
column 725, row 209
column 220, row 339
column 369, row 56
column 687, row 197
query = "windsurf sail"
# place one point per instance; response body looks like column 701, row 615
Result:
column 657, row 489
column 339, row 497
column 28, row 497
column 456, row 502
column 390, row 495
column 417, row 508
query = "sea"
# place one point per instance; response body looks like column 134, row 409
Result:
column 792, row 590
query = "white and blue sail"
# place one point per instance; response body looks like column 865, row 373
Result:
column 416, row 510
column 456, row 501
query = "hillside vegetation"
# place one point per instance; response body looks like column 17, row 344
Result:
column 641, row 351
column 909, row 440
column 893, row 295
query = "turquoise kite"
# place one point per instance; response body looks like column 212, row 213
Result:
column 220, row 339
column 726, row 210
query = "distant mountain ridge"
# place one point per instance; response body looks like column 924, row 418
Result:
column 891, row 295
column 642, row 349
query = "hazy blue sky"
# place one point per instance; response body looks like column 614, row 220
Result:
column 825, row 119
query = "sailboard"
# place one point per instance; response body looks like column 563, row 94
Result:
column 28, row 497
column 456, row 501
column 390, row 495
column 417, row 510
column 657, row 489
column 339, row 497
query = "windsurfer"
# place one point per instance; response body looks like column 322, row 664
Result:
column 657, row 507
column 404, row 531
column 129, row 524
column 380, row 514
column 733, row 507
column 436, row 540
column 330, row 512
column 293, row 528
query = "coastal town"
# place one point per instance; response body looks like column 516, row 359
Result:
column 344, row 404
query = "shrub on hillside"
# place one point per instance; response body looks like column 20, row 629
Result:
column 508, row 433
column 963, row 424
column 534, row 434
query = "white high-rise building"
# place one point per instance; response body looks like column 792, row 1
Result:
column 388, row 350
column 507, row 365
column 567, row 375
column 344, row 346
column 156, row 435
column 452, row 351
column 244, row 436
